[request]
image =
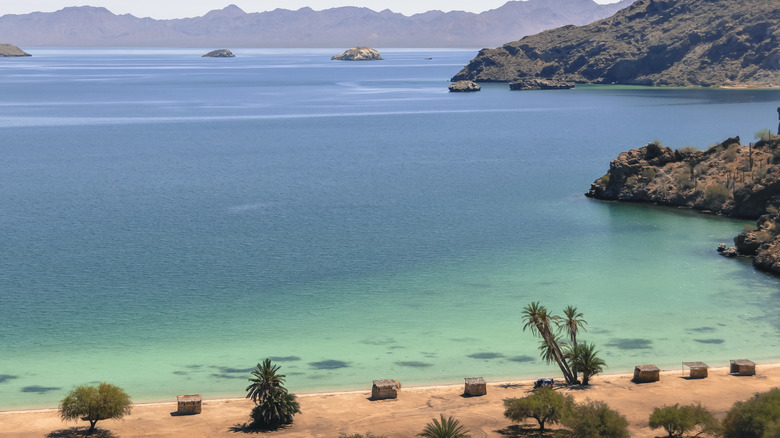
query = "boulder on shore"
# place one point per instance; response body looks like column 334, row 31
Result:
column 221, row 53
column 359, row 54
column 8, row 50
column 464, row 87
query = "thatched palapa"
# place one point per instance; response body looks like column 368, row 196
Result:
column 646, row 374
column 189, row 404
column 475, row 386
column 743, row 367
column 698, row 369
column 384, row 389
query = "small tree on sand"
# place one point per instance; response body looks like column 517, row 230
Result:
column 584, row 359
column 678, row 420
column 95, row 403
column 545, row 406
column 595, row 419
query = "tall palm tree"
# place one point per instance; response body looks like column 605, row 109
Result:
column 536, row 318
column 265, row 381
column 585, row 359
column 572, row 322
column 447, row 428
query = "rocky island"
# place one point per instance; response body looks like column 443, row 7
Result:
column 7, row 50
column 464, row 87
column 359, row 54
column 221, row 53
column 652, row 42
column 730, row 178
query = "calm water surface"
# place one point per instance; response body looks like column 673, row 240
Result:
column 167, row 221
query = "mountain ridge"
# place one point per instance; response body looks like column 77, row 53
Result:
column 651, row 42
column 88, row 26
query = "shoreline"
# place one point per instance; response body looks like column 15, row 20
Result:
column 328, row 414
column 420, row 387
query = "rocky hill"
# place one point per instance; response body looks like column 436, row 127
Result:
column 336, row 27
column 730, row 178
column 651, row 42
column 7, row 50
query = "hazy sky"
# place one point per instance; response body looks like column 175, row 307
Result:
column 193, row 8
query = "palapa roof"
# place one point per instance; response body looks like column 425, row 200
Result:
column 384, row 383
column 189, row 398
column 474, row 380
column 743, row 362
column 645, row 368
column 693, row 365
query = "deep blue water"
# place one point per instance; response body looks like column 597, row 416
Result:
column 167, row 221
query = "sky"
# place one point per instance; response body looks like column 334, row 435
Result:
column 165, row 9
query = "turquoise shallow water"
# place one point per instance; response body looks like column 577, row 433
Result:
column 168, row 221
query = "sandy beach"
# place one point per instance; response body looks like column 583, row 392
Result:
column 328, row 415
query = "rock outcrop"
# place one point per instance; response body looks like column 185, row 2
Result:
column 729, row 178
column 359, row 54
column 651, row 42
column 221, row 53
column 464, row 87
column 7, row 50
column 539, row 84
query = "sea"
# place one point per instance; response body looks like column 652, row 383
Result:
column 167, row 221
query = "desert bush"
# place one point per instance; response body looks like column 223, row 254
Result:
column 361, row 435
column 730, row 154
column 648, row 173
column 604, row 180
column 678, row 420
column 545, row 406
column 631, row 181
column 764, row 135
column 755, row 417
column 595, row 419
column 716, row 195
column 689, row 149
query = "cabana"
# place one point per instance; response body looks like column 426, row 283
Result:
column 646, row 374
column 743, row 367
column 189, row 404
column 698, row 369
column 384, row 389
column 475, row 386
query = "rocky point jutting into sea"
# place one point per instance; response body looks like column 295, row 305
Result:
column 651, row 42
column 732, row 179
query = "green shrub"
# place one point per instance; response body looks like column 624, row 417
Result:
column 631, row 181
column 95, row 403
column 446, row 428
column 595, row 419
column 604, row 180
column 755, row 417
column 545, row 406
column 689, row 149
column 648, row 173
column 716, row 195
column 678, row 420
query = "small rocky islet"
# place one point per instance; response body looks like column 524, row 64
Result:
column 221, row 53
column 731, row 179
column 11, row 51
column 358, row 54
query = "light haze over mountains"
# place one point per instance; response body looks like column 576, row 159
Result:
column 337, row 27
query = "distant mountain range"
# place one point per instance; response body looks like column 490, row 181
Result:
column 231, row 27
column 652, row 42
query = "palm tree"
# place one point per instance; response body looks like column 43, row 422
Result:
column 585, row 359
column 265, row 381
column 447, row 428
column 536, row 318
column 275, row 410
column 572, row 323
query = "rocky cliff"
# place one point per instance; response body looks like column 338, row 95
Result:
column 651, row 42
column 7, row 50
column 729, row 178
